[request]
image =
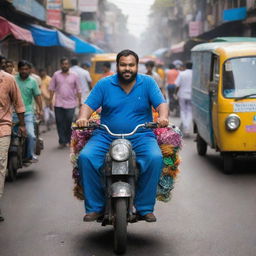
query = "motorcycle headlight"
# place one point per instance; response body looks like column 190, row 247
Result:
column 120, row 152
column 232, row 122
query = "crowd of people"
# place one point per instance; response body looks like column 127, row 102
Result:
column 175, row 83
column 33, row 93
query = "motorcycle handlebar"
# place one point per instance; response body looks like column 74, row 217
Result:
column 92, row 125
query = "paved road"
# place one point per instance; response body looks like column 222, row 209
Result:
column 210, row 214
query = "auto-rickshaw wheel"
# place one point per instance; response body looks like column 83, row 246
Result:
column 228, row 163
column 201, row 146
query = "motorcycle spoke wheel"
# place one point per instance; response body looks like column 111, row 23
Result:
column 120, row 225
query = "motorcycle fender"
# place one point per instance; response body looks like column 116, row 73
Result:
column 120, row 189
column 120, row 168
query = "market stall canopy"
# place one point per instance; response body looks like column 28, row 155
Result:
column 7, row 28
column 50, row 37
column 160, row 52
column 85, row 47
column 177, row 48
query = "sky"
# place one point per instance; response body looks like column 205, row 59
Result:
column 137, row 11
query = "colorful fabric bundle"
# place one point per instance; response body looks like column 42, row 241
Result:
column 170, row 142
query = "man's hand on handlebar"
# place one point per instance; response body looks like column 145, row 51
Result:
column 162, row 122
column 82, row 122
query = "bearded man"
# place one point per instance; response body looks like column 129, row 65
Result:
column 126, row 99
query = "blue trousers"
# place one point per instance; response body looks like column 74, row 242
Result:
column 148, row 157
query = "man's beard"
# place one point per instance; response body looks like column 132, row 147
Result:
column 65, row 70
column 124, row 80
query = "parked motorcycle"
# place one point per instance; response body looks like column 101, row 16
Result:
column 17, row 151
column 120, row 176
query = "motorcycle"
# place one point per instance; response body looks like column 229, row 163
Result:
column 120, row 174
column 17, row 151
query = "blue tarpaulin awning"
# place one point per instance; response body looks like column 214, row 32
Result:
column 84, row 47
column 50, row 37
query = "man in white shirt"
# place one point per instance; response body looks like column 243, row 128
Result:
column 84, row 76
column 184, row 88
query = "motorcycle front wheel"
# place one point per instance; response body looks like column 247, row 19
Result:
column 120, row 225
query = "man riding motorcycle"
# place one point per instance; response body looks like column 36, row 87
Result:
column 126, row 99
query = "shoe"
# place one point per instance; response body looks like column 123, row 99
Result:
column 34, row 159
column 150, row 217
column 93, row 216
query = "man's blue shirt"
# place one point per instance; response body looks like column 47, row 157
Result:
column 122, row 111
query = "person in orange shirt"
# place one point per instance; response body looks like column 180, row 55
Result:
column 171, row 76
column 49, row 116
column 106, row 70
column 10, row 97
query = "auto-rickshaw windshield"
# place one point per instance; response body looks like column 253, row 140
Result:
column 239, row 77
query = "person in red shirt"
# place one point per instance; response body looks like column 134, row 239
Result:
column 106, row 69
column 171, row 76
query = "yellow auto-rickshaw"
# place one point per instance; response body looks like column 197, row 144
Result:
column 224, row 98
column 98, row 60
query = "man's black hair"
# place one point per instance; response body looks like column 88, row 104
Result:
column 126, row 53
column 42, row 70
column 9, row 61
column 1, row 58
column 63, row 59
column 74, row 62
column 171, row 66
column 23, row 63
column 189, row 65
column 107, row 64
column 150, row 63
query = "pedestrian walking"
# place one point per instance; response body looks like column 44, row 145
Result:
column 150, row 72
column 49, row 116
column 184, row 89
column 171, row 76
column 84, row 77
column 10, row 97
column 66, row 86
column 86, row 65
column 30, row 93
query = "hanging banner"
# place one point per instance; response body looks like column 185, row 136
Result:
column 54, row 18
column 72, row 24
column 54, row 4
column 88, row 5
column 70, row 5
